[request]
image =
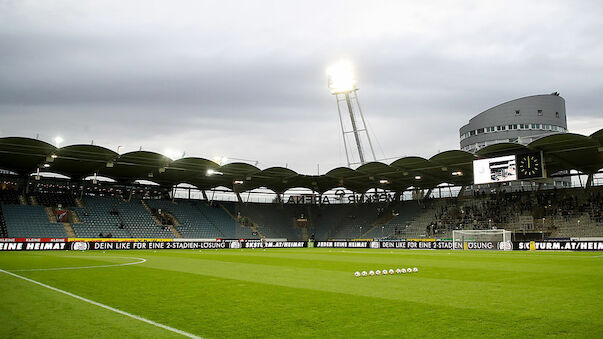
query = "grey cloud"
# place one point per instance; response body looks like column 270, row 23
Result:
column 248, row 80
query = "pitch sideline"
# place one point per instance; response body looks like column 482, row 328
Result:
column 133, row 316
column 141, row 260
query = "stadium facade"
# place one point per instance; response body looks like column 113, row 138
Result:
column 520, row 121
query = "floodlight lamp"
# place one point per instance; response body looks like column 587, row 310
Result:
column 341, row 77
column 458, row 173
column 418, row 177
column 54, row 156
column 384, row 181
column 238, row 182
column 211, row 172
column 46, row 165
column 58, row 140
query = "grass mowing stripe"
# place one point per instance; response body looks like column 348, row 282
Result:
column 140, row 261
column 171, row 329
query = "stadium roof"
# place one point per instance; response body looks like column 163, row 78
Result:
column 25, row 156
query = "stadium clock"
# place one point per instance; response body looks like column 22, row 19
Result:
column 529, row 166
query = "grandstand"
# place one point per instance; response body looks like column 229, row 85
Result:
column 550, row 213
column 33, row 206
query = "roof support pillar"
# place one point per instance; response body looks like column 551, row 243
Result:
column 589, row 181
column 462, row 191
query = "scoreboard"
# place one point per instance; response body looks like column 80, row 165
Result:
column 508, row 168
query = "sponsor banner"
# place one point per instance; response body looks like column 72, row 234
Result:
column 43, row 244
column 419, row 244
column 559, row 245
column 34, row 239
column 161, row 245
column 120, row 240
column 273, row 244
column 34, row 246
column 344, row 244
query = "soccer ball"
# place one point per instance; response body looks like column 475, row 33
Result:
column 409, row 270
column 398, row 270
column 371, row 273
column 384, row 272
column 377, row 272
column 364, row 274
column 391, row 271
column 356, row 274
column 403, row 270
column 415, row 270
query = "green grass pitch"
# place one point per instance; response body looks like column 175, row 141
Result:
column 283, row 293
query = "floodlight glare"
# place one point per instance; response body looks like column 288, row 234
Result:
column 172, row 154
column 58, row 140
column 211, row 172
column 341, row 77
column 220, row 160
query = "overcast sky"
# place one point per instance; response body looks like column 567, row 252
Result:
column 246, row 79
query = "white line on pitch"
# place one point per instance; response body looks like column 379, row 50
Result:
column 171, row 329
column 141, row 260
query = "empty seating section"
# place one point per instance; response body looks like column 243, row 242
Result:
column 273, row 221
column 406, row 212
column 9, row 196
column 54, row 199
column 3, row 232
column 140, row 222
column 219, row 218
column 243, row 232
column 30, row 221
column 193, row 220
column 97, row 218
column 351, row 221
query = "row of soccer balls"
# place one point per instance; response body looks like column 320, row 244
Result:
column 386, row 272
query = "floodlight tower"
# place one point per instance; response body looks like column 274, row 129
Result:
column 342, row 84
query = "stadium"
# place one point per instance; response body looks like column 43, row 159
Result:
column 498, row 235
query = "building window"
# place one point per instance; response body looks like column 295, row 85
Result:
column 540, row 112
column 517, row 112
column 480, row 130
column 557, row 115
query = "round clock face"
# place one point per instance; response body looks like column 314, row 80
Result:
column 529, row 165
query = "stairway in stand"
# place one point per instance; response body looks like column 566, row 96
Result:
column 69, row 230
column 175, row 231
column 304, row 231
column 146, row 207
column 50, row 214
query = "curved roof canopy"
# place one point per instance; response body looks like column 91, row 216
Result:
column 25, row 156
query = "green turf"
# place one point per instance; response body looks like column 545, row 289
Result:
column 306, row 293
